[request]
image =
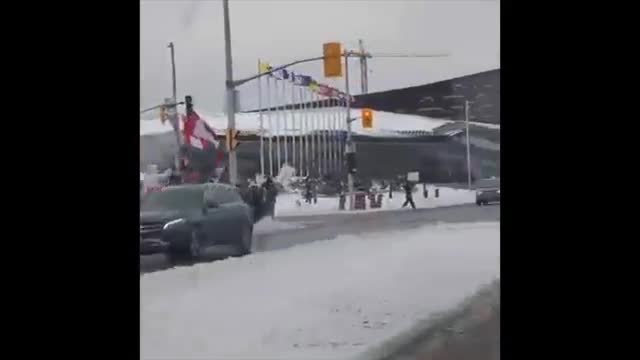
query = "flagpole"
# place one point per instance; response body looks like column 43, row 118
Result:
column 334, row 155
column 319, row 132
column 270, row 126
column 261, row 122
column 277, row 106
column 303, row 132
column 293, row 124
column 329, row 144
column 325, row 134
column 318, row 122
column 341, row 124
column 307, row 134
column 334, row 124
column 336, row 120
column 314, row 158
column 284, row 115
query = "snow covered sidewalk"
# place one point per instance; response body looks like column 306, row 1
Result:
column 328, row 299
column 293, row 205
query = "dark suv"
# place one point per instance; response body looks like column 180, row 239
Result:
column 487, row 191
column 184, row 219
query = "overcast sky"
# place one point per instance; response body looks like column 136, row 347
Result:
column 280, row 31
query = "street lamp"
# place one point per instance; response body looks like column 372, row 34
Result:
column 466, row 121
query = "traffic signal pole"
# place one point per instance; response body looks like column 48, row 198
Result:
column 349, row 148
column 173, row 114
column 231, row 108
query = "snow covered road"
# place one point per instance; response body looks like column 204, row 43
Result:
column 288, row 206
column 327, row 299
column 296, row 230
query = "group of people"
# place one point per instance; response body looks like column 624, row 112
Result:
column 261, row 197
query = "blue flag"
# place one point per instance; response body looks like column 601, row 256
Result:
column 302, row 80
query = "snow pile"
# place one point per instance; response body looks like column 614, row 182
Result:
column 327, row 299
column 486, row 125
column 286, row 174
column 384, row 124
column 294, row 205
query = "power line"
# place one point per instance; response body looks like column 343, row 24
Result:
column 399, row 55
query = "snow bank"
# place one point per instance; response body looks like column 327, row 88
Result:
column 293, row 205
column 384, row 124
column 486, row 125
column 327, row 299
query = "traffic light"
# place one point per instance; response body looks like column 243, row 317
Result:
column 367, row 118
column 188, row 101
column 232, row 139
column 332, row 53
column 351, row 163
column 163, row 114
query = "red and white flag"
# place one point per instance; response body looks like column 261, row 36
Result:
column 197, row 133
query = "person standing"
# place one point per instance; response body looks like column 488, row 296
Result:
column 270, row 194
column 307, row 190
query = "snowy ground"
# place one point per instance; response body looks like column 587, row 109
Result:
column 268, row 226
column 328, row 299
column 288, row 204
column 486, row 125
column 384, row 124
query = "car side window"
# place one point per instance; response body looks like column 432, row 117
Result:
column 221, row 195
column 209, row 194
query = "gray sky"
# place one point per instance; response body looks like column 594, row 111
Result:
column 280, row 31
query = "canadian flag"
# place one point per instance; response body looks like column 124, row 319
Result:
column 197, row 133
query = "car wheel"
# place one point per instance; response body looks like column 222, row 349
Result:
column 187, row 251
column 246, row 240
column 479, row 203
column 195, row 247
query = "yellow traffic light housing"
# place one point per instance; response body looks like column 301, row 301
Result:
column 367, row 118
column 332, row 53
column 232, row 139
column 163, row 114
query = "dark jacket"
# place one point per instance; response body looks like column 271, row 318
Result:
column 408, row 188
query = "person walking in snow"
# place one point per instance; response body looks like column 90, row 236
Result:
column 307, row 190
column 271, row 194
column 408, row 194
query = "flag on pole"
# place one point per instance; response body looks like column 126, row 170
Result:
column 302, row 80
column 261, row 119
column 281, row 74
column 264, row 68
column 324, row 90
column 197, row 132
column 313, row 86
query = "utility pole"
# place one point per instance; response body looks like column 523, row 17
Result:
column 173, row 72
column 231, row 108
column 364, row 70
column 349, row 148
column 466, row 121
column 173, row 108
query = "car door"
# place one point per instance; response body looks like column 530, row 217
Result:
column 233, row 214
column 219, row 220
column 215, row 222
column 239, row 211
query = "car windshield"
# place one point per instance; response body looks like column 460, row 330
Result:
column 173, row 199
column 488, row 183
